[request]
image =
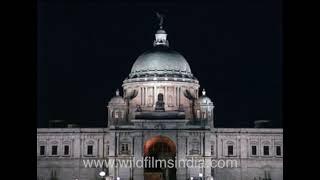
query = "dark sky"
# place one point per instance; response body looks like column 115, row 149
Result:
column 85, row 51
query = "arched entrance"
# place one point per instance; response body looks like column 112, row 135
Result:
column 160, row 152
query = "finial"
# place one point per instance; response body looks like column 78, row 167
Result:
column 203, row 92
column 117, row 92
column 161, row 35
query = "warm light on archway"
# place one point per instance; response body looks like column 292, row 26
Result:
column 156, row 139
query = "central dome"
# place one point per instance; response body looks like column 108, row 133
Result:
column 161, row 60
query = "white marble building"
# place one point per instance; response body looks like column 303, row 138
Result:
column 161, row 115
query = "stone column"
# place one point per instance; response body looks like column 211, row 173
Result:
column 77, row 154
column 176, row 95
column 77, row 143
column 154, row 96
column 144, row 95
column 207, row 154
column 100, row 148
column 138, row 172
column 181, row 173
column 166, row 96
column 141, row 94
column 117, row 146
column 112, row 150
column 243, row 146
column 179, row 95
column 219, row 147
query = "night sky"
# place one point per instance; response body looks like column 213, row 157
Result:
column 85, row 51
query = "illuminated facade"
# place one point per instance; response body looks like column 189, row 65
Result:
column 160, row 114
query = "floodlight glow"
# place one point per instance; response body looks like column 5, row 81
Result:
column 102, row 174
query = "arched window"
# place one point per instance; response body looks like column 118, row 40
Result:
column 230, row 148
column 198, row 114
column 254, row 148
column 116, row 115
column 90, row 148
column 54, row 148
column 42, row 148
column 124, row 148
column 266, row 148
column 66, row 148
column 204, row 115
column 195, row 147
column 170, row 100
column 150, row 100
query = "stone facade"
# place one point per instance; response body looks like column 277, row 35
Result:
column 210, row 144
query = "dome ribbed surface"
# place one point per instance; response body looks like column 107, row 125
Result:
column 204, row 100
column 117, row 100
column 161, row 60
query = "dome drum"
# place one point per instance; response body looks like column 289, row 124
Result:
column 161, row 79
column 173, row 95
column 161, row 73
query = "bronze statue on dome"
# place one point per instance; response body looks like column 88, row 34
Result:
column 160, row 103
column 160, row 16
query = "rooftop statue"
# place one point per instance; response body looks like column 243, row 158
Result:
column 160, row 16
column 160, row 103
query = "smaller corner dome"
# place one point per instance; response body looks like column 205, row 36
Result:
column 204, row 99
column 161, row 31
column 117, row 100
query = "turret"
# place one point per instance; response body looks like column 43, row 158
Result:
column 204, row 110
column 117, row 110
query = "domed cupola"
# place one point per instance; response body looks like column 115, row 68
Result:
column 159, row 79
column 161, row 35
column 117, row 100
column 161, row 62
column 161, row 38
column 204, row 109
column 204, row 100
column 117, row 110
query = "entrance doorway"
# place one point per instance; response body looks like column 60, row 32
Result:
column 161, row 153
